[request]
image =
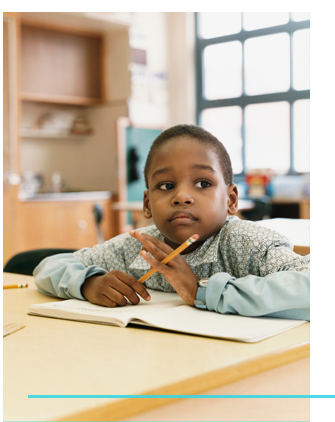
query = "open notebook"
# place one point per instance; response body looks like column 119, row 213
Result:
column 168, row 311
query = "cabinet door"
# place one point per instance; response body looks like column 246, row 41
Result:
column 61, row 67
column 10, row 93
column 11, row 178
column 66, row 224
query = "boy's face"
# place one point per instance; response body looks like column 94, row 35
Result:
column 187, row 193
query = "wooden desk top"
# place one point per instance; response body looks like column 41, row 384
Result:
column 51, row 356
column 295, row 229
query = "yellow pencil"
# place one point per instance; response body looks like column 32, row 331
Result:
column 172, row 255
column 15, row 286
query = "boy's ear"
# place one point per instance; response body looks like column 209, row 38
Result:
column 232, row 199
column 146, row 205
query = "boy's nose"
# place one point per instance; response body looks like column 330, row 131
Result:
column 182, row 198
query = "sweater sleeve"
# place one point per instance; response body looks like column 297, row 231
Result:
column 285, row 294
column 62, row 276
column 263, row 276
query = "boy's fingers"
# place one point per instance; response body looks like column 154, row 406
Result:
column 158, row 249
column 159, row 267
column 106, row 301
column 154, row 248
column 142, row 237
column 119, row 292
column 160, row 244
column 164, row 251
column 103, row 300
column 133, row 284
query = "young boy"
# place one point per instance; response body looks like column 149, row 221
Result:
column 235, row 266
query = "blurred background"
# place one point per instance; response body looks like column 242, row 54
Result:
column 85, row 95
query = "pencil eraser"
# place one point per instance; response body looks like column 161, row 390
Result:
column 194, row 238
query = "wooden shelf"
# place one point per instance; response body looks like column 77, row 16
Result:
column 61, row 67
column 31, row 134
column 59, row 99
column 84, row 22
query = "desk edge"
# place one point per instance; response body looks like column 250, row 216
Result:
column 124, row 408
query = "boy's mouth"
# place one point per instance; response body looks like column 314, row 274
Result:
column 183, row 216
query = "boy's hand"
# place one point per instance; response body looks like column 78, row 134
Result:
column 177, row 272
column 112, row 289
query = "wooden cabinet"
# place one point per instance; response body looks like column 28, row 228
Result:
column 10, row 132
column 58, row 66
column 66, row 61
column 58, row 224
column 11, row 30
column 52, row 224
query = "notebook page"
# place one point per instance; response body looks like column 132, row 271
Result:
column 85, row 311
column 234, row 327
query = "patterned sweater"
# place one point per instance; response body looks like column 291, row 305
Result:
column 252, row 270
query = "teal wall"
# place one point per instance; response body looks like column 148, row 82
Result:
column 141, row 139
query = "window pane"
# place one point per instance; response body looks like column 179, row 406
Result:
column 218, row 24
column 301, row 59
column 301, row 135
column 223, row 70
column 300, row 16
column 268, row 136
column 225, row 123
column 267, row 64
column 257, row 20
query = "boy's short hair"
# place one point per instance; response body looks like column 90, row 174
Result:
column 199, row 134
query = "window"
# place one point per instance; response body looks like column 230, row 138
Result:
column 253, row 87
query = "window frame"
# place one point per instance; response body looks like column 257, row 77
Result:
column 290, row 96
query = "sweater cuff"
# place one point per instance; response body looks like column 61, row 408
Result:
column 217, row 285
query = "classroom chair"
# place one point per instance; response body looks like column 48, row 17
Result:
column 261, row 210
column 25, row 262
column 98, row 216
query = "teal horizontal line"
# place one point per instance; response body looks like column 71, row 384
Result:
column 180, row 396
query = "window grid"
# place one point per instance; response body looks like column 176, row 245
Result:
column 290, row 96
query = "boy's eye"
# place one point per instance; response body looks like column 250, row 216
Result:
column 203, row 184
column 165, row 186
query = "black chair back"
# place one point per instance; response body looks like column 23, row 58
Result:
column 261, row 210
column 25, row 262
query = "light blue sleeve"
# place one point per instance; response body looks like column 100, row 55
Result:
column 285, row 294
column 62, row 276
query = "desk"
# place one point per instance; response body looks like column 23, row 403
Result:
column 296, row 230
column 51, row 356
